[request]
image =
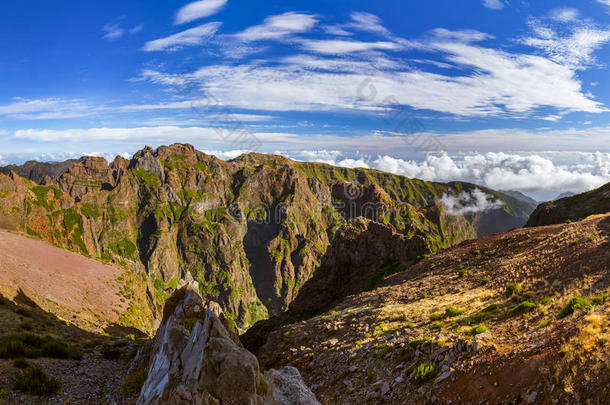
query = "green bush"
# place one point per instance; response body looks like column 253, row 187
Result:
column 462, row 273
column 485, row 280
column 483, row 314
column 449, row 313
column 132, row 384
column 512, row 289
column 545, row 301
column 32, row 346
column 110, row 352
column 525, row 306
column 480, row 328
column 600, row 299
column 417, row 342
column 35, row 381
column 262, row 388
column 20, row 362
column 574, row 304
column 424, row 372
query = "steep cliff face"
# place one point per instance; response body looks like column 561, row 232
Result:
column 251, row 231
column 572, row 208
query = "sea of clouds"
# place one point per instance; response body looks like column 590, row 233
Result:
column 541, row 175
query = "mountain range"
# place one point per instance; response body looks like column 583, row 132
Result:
column 301, row 283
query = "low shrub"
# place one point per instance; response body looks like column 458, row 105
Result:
column 600, row 299
column 512, row 289
column 35, row 381
column 110, row 352
column 525, row 306
column 480, row 328
column 31, row 345
column 424, row 372
column 449, row 313
column 132, row 384
column 20, row 362
column 574, row 304
column 418, row 342
column 482, row 315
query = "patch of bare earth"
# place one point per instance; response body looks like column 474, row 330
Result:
column 76, row 288
column 421, row 337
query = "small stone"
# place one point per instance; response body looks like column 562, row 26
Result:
column 532, row 397
column 382, row 386
column 442, row 377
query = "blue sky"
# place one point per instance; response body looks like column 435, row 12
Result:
column 353, row 80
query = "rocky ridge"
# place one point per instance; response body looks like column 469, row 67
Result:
column 572, row 208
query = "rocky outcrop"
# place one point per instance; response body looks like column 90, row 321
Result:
column 194, row 359
column 572, row 208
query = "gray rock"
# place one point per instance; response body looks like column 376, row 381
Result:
column 286, row 387
column 443, row 377
column 382, row 386
column 208, row 365
column 532, row 397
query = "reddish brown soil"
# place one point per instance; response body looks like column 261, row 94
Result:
column 72, row 286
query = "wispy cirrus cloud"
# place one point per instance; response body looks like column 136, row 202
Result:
column 198, row 9
column 338, row 47
column 494, row 4
column 41, row 109
column 113, row 31
column 571, row 44
column 278, row 27
column 190, row 37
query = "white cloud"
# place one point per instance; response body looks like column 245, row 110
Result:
column 110, row 134
column 337, row 47
column 113, row 31
column 198, row 9
column 494, row 4
column 484, row 82
column 604, row 2
column 336, row 30
column 41, row 109
column 136, row 29
column 469, row 203
column 459, row 36
column 368, row 22
column 564, row 14
column 278, row 27
column 572, row 46
column 190, row 37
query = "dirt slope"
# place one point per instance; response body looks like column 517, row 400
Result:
column 482, row 338
column 73, row 287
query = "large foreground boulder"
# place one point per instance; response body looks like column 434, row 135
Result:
column 194, row 359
